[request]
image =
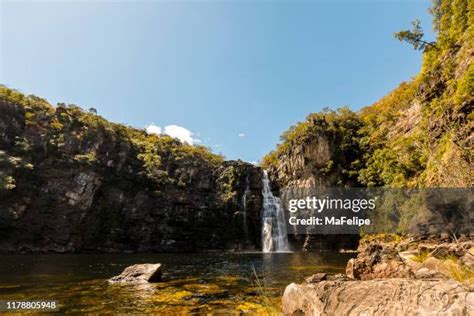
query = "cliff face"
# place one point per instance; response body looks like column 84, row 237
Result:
column 323, row 151
column 71, row 181
column 419, row 135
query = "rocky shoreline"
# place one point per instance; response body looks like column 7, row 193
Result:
column 393, row 276
column 412, row 257
column 379, row 297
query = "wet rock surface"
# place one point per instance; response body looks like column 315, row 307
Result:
column 139, row 273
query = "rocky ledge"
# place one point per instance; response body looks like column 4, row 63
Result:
column 378, row 297
column 393, row 276
column 389, row 256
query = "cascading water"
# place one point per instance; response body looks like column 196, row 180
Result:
column 274, row 233
column 244, row 208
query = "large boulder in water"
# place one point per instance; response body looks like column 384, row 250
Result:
column 139, row 273
column 379, row 297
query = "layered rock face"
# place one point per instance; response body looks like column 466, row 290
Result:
column 72, row 182
column 413, row 257
column 322, row 159
column 378, row 297
column 393, row 276
column 417, row 136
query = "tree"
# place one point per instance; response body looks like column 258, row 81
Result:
column 435, row 11
column 93, row 110
column 414, row 36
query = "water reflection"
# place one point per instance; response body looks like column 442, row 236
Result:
column 227, row 283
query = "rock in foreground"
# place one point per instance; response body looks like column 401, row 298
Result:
column 139, row 273
column 378, row 297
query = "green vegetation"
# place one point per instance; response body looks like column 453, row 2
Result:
column 226, row 183
column 383, row 238
column 267, row 297
column 87, row 158
column 453, row 268
column 414, row 36
column 69, row 133
column 9, row 165
column 341, row 130
column 421, row 256
column 420, row 134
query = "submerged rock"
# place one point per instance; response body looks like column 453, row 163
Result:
column 378, row 297
column 139, row 273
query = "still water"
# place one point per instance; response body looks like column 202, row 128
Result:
column 192, row 283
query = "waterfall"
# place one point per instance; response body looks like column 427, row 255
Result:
column 244, row 208
column 274, row 233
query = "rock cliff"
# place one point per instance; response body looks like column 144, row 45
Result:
column 419, row 135
column 415, row 257
column 378, row 297
column 393, row 276
column 71, row 181
column 322, row 153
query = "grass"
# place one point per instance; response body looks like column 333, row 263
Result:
column 266, row 297
column 395, row 238
column 450, row 266
column 453, row 268
column 421, row 256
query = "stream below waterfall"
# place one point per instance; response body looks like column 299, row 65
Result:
column 193, row 283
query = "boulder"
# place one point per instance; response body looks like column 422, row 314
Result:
column 378, row 297
column 433, row 264
column 315, row 278
column 139, row 273
column 380, row 259
column 425, row 273
column 351, row 270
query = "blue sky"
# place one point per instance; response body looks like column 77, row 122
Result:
column 236, row 74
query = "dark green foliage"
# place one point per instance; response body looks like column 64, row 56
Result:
column 73, row 134
column 414, row 36
column 420, row 134
column 435, row 11
column 340, row 128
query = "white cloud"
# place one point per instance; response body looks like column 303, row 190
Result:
column 241, row 135
column 181, row 133
column 153, row 129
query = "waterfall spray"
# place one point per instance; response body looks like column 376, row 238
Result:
column 274, row 233
column 244, row 208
